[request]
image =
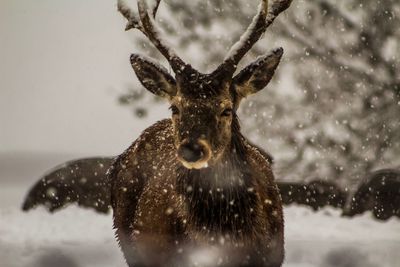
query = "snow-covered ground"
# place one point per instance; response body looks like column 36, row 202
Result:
column 76, row 237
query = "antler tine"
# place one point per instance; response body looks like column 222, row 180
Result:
column 146, row 24
column 264, row 18
column 133, row 20
column 156, row 8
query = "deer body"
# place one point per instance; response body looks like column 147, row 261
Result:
column 162, row 209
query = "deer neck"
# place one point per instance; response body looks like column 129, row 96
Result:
column 220, row 198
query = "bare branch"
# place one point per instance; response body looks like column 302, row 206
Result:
column 364, row 33
column 330, row 59
column 335, row 11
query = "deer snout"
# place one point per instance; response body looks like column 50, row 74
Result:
column 194, row 154
column 191, row 152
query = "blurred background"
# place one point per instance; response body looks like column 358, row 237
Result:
column 331, row 113
column 67, row 91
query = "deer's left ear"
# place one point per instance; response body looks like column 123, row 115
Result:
column 153, row 76
column 257, row 75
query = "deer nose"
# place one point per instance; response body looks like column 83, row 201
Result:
column 191, row 151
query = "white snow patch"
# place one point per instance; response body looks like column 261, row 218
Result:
column 79, row 237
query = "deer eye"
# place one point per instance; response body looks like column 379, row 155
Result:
column 227, row 112
column 174, row 109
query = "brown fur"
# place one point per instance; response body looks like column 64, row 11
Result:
column 159, row 209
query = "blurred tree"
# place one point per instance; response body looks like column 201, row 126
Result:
column 335, row 109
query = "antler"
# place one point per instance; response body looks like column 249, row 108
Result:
column 146, row 24
column 263, row 19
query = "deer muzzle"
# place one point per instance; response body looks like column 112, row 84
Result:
column 194, row 154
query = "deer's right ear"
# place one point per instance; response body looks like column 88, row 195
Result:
column 153, row 76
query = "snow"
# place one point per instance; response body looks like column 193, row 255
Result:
column 77, row 237
column 326, row 239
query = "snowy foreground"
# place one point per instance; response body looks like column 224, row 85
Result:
column 77, row 237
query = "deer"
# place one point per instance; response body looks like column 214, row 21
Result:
column 192, row 190
column 194, row 181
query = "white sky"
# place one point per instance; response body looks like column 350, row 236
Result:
column 62, row 65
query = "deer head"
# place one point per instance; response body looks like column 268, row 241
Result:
column 204, row 105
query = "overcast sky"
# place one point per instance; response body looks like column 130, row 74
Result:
column 62, row 65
